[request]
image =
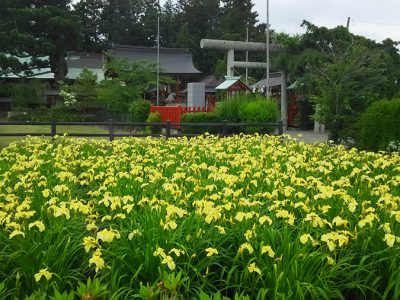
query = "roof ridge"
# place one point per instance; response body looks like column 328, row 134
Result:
column 164, row 49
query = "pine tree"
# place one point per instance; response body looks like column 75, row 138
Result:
column 169, row 24
column 89, row 12
column 237, row 15
column 37, row 29
column 130, row 22
column 200, row 19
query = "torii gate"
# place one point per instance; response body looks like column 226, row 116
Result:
column 231, row 46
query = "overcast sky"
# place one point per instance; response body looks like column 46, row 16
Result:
column 375, row 19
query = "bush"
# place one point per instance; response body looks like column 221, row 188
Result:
column 200, row 117
column 18, row 115
column 380, row 125
column 260, row 111
column 230, row 109
column 27, row 94
column 58, row 113
column 248, row 109
column 154, row 117
column 140, row 110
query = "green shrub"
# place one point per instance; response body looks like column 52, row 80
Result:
column 154, row 117
column 380, row 125
column 200, row 117
column 27, row 94
column 59, row 113
column 244, row 108
column 230, row 109
column 140, row 110
column 260, row 111
column 18, row 115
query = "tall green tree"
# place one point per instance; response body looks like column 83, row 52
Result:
column 130, row 22
column 120, row 21
column 200, row 19
column 169, row 24
column 91, row 37
column 35, row 29
column 343, row 73
column 237, row 15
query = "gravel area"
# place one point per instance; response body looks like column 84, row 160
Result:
column 307, row 136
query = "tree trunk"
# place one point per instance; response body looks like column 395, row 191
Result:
column 58, row 66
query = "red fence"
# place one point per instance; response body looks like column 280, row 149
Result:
column 174, row 113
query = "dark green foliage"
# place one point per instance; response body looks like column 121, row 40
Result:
column 36, row 29
column 128, row 83
column 237, row 16
column 380, row 125
column 90, row 15
column 140, row 110
column 58, row 112
column 83, row 90
column 200, row 117
column 199, row 20
column 154, row 117
column 27, row 94
column 341, row 72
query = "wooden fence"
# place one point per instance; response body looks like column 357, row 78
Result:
column 112, row 134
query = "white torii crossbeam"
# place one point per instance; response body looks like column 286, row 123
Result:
column 231, row 46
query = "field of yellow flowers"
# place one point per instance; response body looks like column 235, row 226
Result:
column 245, row 217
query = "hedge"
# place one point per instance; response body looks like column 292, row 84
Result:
column 200, row 117
column 379, row 125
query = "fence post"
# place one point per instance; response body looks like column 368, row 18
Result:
column 53, row 128
column 168, row 129
column 224, row 127
column 280, row 127
column 111, row 129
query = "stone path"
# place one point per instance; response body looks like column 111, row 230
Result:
column 308, row 136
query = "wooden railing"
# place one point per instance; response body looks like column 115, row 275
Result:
column 168, row 131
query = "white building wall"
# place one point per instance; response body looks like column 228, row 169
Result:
column 196, row 94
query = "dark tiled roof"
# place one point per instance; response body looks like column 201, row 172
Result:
column 275, row 79
column 85, row 60
column 172, row 61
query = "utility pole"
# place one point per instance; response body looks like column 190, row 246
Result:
column 348, row 24
column 158, row 54
column 247, row 55
column 267, row 48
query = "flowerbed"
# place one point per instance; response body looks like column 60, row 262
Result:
column 206, row 218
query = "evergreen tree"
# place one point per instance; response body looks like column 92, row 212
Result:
column 36, row 29
column 120, row 21
column 200, row 19
column 237, row 15
column 169, row 24
column 89, row 12
column 151, row 12
column 130, row 22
